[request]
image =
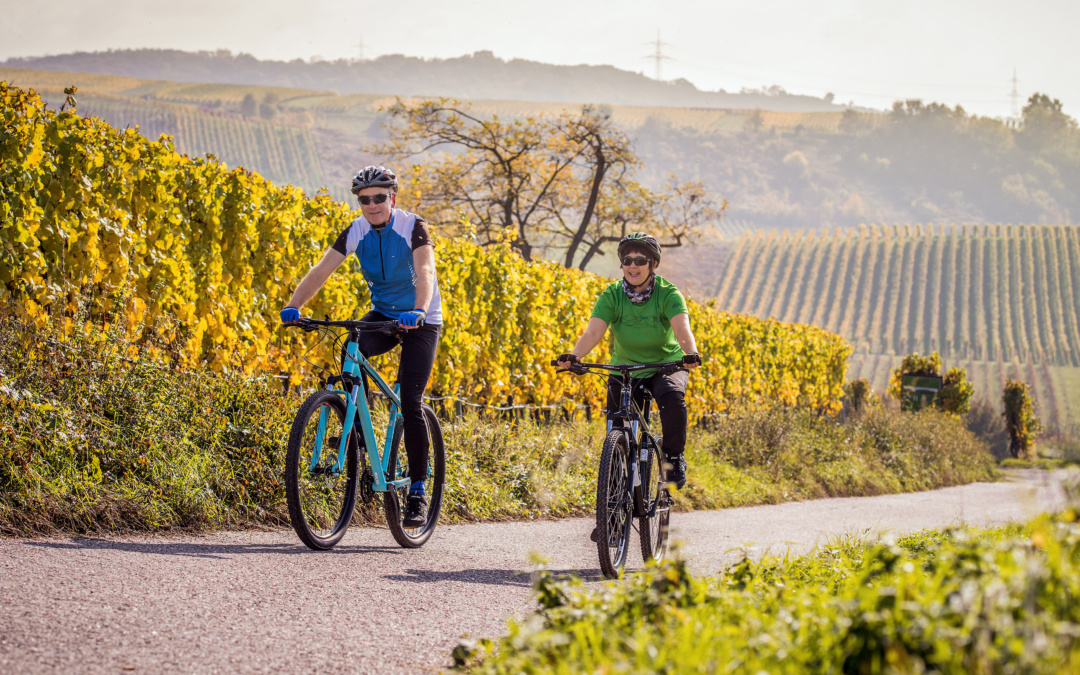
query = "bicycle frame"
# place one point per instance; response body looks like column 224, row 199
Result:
column 358, row 367
column 639, row 424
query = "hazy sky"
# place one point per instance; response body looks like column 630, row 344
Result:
column 868, row 51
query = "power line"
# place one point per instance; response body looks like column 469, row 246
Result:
column 785, row 71
column 658, row 56
column 1015, row 95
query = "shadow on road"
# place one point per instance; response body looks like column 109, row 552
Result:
column 195, row 550
column 489, row 577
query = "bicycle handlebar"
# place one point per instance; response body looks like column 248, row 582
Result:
column 580, row 367
column 388, row 327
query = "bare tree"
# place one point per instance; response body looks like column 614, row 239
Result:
column 561, row 183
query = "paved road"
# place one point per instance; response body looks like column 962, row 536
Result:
column 261, row 602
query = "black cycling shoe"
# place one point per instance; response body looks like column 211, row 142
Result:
column 595, row 536
column 415, row 511
column 677, row 473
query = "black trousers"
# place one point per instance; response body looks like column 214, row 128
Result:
column 669, row 392
column 418, row 347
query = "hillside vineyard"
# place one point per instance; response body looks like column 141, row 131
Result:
column 1007, row 295
column 284, row 153
column 201, row 257
column 984, row 292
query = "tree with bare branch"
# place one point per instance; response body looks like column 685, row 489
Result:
column 559, row 184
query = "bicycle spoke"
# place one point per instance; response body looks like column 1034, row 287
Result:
column 320, row 494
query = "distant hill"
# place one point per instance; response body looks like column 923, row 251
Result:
column 477, row 76
column 317, row 138
column 778, row 170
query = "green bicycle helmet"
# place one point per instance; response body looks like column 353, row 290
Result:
column 640, row 241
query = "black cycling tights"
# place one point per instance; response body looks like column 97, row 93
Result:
column 418, row 348
column 669, row 392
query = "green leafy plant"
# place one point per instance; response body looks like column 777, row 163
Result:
column 949, row 601
column 956, row 392
column 858, row 396
column 104, row 430
column 1021, row 422
column 213, row 254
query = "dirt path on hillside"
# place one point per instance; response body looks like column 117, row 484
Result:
column 261, row 602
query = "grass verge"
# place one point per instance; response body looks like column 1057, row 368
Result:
column 954, row 601
column 98, row 436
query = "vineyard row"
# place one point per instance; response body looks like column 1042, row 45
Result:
column 198, row 259
column 976, row 292
column 284, row 153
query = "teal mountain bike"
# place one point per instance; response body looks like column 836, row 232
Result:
column 333, row 451
column 632, row 481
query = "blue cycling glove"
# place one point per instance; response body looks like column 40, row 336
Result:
column 290, row 315
column 413, row 318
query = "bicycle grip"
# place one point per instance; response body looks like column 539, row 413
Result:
column 554, row 362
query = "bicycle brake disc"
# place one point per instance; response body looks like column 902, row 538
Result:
column 367, row 492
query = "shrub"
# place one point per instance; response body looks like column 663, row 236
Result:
column 101, row 430
column 956, row 601
column 809, row 456
column 857, row 396
column 956, row 392
column 1021, row 422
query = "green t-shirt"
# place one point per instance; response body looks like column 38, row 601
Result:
column 642, row 332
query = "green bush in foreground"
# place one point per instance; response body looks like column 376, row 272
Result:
column 958, row 601
column 96, row 435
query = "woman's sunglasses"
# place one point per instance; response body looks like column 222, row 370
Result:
column 373, row 199
column 640, row 261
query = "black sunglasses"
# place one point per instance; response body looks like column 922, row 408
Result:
column 373, row 199
column 640, row 261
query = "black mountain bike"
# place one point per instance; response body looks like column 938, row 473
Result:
column 632, row 482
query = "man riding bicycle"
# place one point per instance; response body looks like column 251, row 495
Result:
column 397, row 258
column 648, row 318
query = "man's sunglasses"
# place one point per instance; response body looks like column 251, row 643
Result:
column 373, row 199
column 640, row 261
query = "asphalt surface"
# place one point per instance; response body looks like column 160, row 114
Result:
column 261, row 602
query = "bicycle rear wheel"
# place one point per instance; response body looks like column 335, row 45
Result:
column 656, row 505
column 320, row 498
column 613, row 505
column 394, row 500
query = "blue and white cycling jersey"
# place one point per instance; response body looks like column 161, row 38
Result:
column 386, row 261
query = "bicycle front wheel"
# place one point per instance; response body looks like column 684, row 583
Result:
column 321, row 494
column 394, row 500
column 655, row 505
column 613, row 504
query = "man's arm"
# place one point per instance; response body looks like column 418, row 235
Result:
column 424, row 264
column 316, row 277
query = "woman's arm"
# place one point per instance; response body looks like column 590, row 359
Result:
column 593, row 334
column 680, row 325
column 315, row 278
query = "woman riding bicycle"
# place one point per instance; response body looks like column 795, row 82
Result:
column 397, row 258
column 648, row 318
